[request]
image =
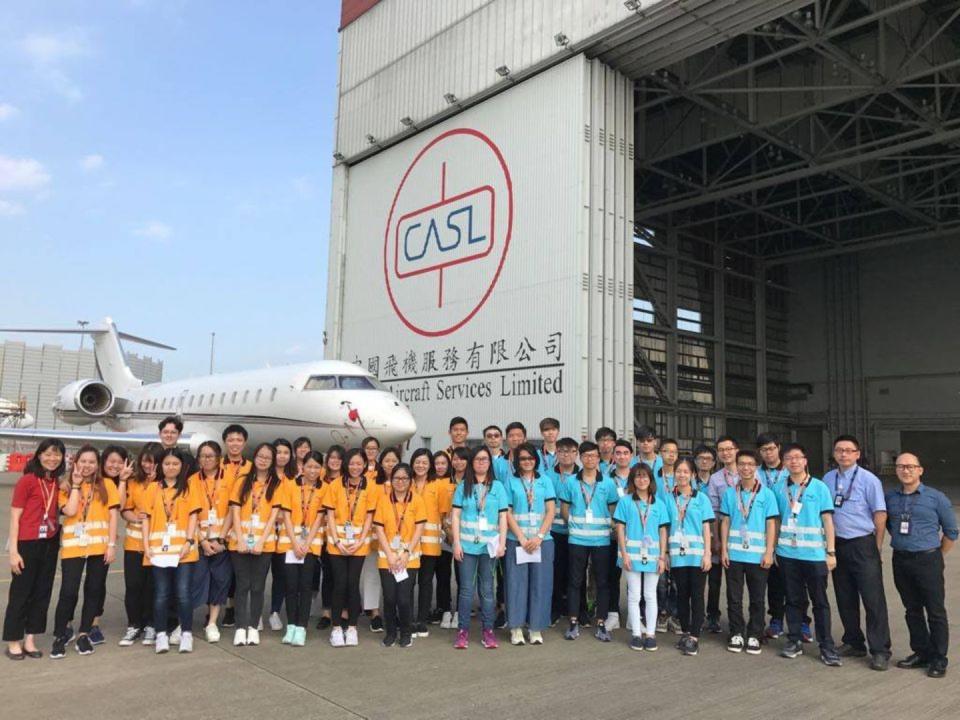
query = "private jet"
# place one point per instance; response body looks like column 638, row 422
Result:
column 328, row 401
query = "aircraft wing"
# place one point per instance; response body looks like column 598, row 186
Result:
column 98, row 438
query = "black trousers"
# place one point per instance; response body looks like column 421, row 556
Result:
column 298, row 583
column 755, row 578
column 250, row 572
column 598, row 557
column 138, row 590
column 776, row 594
column 428, row 567
column 613, row 576
column 561, row 563
column 326, row 582
column 30, row 591
column 501, row 577
column 398, row 602
column 690, row 583
column 94, row 589
column 803, row 579
column 278, row 573
column 346, row 587
column 714, row 584
column 919, row 580
column 444, row 575
column 859, row 578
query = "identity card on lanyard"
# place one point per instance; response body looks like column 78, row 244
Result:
column 398, row 516
column 349, row 530
column 44, row 529
column 480, row 496
column 171, row 527
column 840, row 498
column 254, row 516
column 588, row 499
column 304, row 507
column 80, row 529
column 681, row 515
column 646, row 542
column 745, row 512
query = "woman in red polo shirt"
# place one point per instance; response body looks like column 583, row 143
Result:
column 34, row 544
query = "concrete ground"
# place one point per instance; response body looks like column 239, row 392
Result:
column 585, row 679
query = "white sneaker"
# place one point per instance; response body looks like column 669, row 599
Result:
column 186, row 642
column 175, row 636
column 336, row 637
column 351, row 639
column 259, row 624
column 455, row 620
column 276, row 623
column 753, row 646
column 212, row 633
column 446, row 620
column 516, row 637
column 253, row 636
column 735, row 644
column 129, row 637
column 613, row 621
column 536, row 637
column 240, row 637
column 162, row 644
column 149, row 636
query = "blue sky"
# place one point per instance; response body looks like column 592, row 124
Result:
column 167, row 163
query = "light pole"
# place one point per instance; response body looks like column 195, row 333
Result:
column 213, row 337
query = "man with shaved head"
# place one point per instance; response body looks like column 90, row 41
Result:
column 923, row 528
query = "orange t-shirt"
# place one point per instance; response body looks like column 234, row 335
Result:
column 136, row 493
column 87, row 533
column 400, row 519
column 169, row 515
column 303, row 503
column 437, row 504
column 354, row 506
column 215, row 503
column 254, row 514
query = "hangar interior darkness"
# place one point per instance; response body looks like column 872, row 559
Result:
column 797, row 204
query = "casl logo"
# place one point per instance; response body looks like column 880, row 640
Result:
column 448, row 232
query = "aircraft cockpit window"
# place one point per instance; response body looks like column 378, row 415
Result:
column 355, row 382
column 321, row 382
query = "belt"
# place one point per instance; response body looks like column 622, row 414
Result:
column 842, row 541
column 915, row 553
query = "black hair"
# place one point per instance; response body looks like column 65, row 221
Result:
column 470, row 477
column 536, row 459
column 151, row 450
column 515, row 426
column 34, row 467
column 345, row 471
column 316, row 456
column 367, row 440
column 641, row 469
column 645, row 432
column 300, row 442
column 587, row 446
column 213, row 445
column 691, row 465
column 748, row 454
column 290, row 469
column 423, row 452
column 273, row 477
column 99, row 486
column 492, row 427
column 339, row 452
column 235, row 428
column 793, row 446
column 462, row 453
column 549, row 423
column 568, row 443
column 181, row 483
column 669, row 441
column 458, row 421
column 604, row 432
column 407, row 469
column 766, row 438
column 622, row 442
column 381, row 473
column 449, row 472
column 847, row 438
column 701, row 449
column 728, row 438
column 171, row 419
column 107, row 452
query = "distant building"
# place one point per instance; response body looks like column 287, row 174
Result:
column 37, row 374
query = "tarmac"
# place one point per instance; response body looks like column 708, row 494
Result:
column 558, row 680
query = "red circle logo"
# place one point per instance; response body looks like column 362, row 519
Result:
column 448, row 232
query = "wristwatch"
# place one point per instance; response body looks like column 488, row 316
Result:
column 832, row 553
column 541, row 536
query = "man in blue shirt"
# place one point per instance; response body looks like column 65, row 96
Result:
column 549, row 431
column 923, row 529
column 725, row 477
column 647, row 450
column 565, row 468
column 860, row 518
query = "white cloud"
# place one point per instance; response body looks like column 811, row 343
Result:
column 49, row 52
column 155, row 230
column 293, row 350
column 9, row 209
column 22, row 174
column 91, row 163
column 7, row 111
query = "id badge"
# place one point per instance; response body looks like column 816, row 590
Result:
column 304, row 532
column 349, row 531
column 792, row 523
column 80, row 529
column 171, row 529
column 254, row 521
column 482, row 524
column 620, row 492
column 251, row 541
column 212, row 518
column 684, row 545
column 904, row 525
column 744, row 538
column 588, row 516
column 838, row 500
column 796, row 507
column 165, row 542
column 395, row 543
column 42, row 531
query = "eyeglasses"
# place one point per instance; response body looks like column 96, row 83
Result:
column 526, row 458
column 481, row 460
column 493, row 436
column 400, row 477
column 909, row 468
column 845, row 451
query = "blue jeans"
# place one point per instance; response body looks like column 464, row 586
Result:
column 474, row 567
column 529, row 588
column 168, row 581
column 211, row 579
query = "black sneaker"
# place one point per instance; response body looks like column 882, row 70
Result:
column 830, row 657
column 68, row 635
column 636, row 643
column 555, row 618
column 436, row 616
column 851, row 651
column 501, row 621
column 794, row 649
column 692, row 647
column 713, row 626
column 84, row 646
column 405, row 641
column 323, row 623
column 96, row 635
column 59, row 648
column 585, row 620
column 229, row 619
column 389, row 640
column 376, row 624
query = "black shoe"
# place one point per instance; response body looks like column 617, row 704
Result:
column 691, row 648
column 713, row 626
column 555, row 618
column 96, row 635
column 501, row 621
column 851, row 651
column 376, row 624
column 59, row 648
column 84, row 646
column 389, row 640
column 793, row 649
column 323, row 623
column 15, row 656
column 879, row 662
column 229, row 620
column 68, row 635
column 937, row 669
column 436, row 616
column 405, row 641
column 913, row 661
column 829, row 657
column 585, row 620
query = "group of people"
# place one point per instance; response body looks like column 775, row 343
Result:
column 528, row 530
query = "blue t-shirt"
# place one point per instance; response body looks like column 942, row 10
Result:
column 665, row 486
column 772, row 477
column 473, row 536
column 547, row 460
column 589, row 526
column 656, row 465
column 752, row 530
column 502, row 468
column 686, row 536
column 527, row 517
column 801, row 534
column 641, row 522
column 559, row 526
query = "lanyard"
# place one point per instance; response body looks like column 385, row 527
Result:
column 583, row 491
column 529, row 491
column 398, row 516
column 481, row 497
column 417, row 489
column 352, row 507
column 87, row 501
column 305, row 501
column 766, row 475
column 643, row 515
column 212, row 491
column 745, row 512
column 853, row 479
column 796, row 500
column 256, row 496
column 168, row 506
column 47, row 499
column 729, row 478
column 681, row 510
